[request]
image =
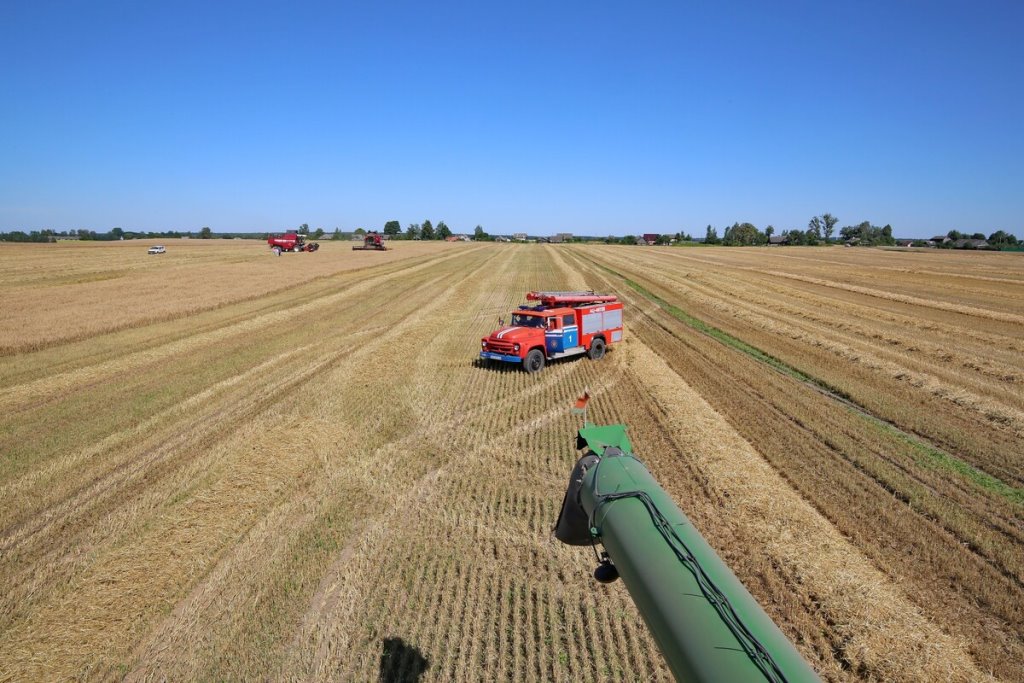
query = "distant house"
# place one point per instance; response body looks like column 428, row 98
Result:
column 451, row 238
column 904, row 243
column 651, row 238
column 554, row 239
column 566, row 236
column 778, row 240
column 519, row 236
column 940, row 239
column 970, row 244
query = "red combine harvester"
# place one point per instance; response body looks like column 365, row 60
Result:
column 373, row 241
column 290, row 241
column 562, row 324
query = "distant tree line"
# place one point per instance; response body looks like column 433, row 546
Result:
column 998, row 240
column 115, row 234
column 820, row 230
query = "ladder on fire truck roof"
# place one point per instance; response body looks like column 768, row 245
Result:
column 570, row 298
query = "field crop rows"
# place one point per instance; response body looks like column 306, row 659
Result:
column 924, row 475
column 316, row 481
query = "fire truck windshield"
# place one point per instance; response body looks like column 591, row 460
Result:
column 522, row 320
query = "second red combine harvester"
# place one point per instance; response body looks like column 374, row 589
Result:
column 562, row 324
column 373, row 241
column 291, row 241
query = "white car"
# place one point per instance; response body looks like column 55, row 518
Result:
column 158, row 249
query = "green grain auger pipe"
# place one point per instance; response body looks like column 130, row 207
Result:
column 707, row 625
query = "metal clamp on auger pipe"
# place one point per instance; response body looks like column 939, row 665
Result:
column 707, row 625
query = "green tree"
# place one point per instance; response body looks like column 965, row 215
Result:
column 769, row 231
column 413, row 231
column 628, row 239
column 442, row 231
column 303, row 229
column 392, row 228
column 360, row 231
column 815, row 226
column 479, row 234
column 427, row 230
column 1002, row 238
column 887, row 237
column 337, row 234
column 796, row 237
column 978, row 236
column 711, row 236
column 742, row 234
column 318, row 234
column 829, row 224
column 205, row 234
column 118, row 233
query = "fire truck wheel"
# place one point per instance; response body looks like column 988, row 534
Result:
column 534, row 361
column 596, row 349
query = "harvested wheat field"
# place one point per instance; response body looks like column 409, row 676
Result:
column 221, row 465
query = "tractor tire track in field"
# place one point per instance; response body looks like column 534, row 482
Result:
column 293, row 375
column 102, row 504
column 906, row 542
column 111, row 373
column 29, row 344
column 172, row 451
column 269, row 310
column 920, row 442
column 958, row 409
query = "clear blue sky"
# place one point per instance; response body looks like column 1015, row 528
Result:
column 591, row 118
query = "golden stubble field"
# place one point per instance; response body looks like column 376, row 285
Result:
column 217, row 464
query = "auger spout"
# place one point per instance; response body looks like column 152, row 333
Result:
column 707, row 625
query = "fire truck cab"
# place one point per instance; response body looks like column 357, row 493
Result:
column 562, row 324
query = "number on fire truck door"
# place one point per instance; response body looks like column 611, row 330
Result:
column 570, row 332
column 553, row 336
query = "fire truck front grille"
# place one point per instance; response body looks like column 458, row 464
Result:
column 498, row 346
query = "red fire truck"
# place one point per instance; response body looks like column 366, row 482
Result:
column 562, row 324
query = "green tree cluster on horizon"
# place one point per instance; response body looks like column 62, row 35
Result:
column 868, row 235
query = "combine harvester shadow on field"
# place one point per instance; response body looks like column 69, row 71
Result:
column 705, row 622
column 401, row 662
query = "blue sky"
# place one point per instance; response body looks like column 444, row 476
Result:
column 592, row 118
